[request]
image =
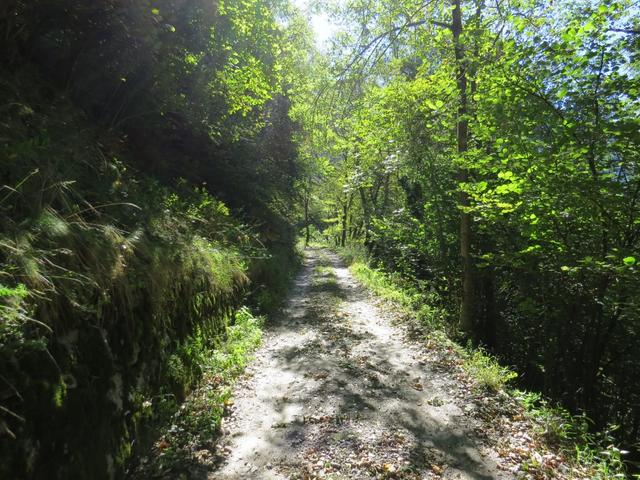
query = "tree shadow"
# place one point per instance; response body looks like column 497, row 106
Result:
column 351, row 385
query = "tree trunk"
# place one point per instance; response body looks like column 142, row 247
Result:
column 307, row 235
column 343, row 236
column 462, row 134
column 367, row 216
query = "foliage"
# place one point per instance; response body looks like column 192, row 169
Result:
column 196, row 424
column 488, row 372
column 413, row 302
column 147, row 169
column 591, row 454
column 272, row 273
column 542, row 190
column 157, row 155
column 103, row 293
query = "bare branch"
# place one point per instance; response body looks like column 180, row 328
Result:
column 630, row 31
column 378, row 39
column 441, row 24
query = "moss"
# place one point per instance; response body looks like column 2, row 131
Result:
column 198, row 420
column 59, row 392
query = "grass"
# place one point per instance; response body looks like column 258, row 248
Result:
column 324, row 271
column 196, row 424
column 412, row 302
column 589, row 455
column 377, row 281
column 487, row 371
column 104, row 276
column 483, row 368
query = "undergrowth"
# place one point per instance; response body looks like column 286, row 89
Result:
column 188, row 439
column 108, row 281
column 590, row 455
column 421, row 304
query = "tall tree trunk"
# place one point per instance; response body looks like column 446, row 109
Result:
column 462, row 134
column 307, row 235
column 367, row 216
column 343, row 233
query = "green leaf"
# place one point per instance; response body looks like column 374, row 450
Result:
column 19, row 291
column 629, row 260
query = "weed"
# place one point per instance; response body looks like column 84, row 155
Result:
column 487, row 372
column 198, row 420
column 590, row 454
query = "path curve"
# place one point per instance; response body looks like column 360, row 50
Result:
column 337, row 391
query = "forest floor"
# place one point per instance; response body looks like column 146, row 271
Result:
column 342, row 389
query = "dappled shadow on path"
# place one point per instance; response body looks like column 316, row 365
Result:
column 337, row 389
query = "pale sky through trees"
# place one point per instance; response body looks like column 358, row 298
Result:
column 322, row 27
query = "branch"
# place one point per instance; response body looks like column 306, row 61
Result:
column 366, row 47
column 630, row 31
column 441, row 24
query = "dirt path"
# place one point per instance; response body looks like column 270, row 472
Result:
column 337, row 391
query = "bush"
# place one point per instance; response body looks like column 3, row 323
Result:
column 487, row 372
column 107, row 278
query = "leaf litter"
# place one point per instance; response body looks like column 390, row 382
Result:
column 343, row 388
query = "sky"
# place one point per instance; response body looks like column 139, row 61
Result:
column 321, row 24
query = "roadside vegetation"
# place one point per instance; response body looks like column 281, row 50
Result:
column 476, row 163
column 136, row 217
column 589, row 455
column 187, row 439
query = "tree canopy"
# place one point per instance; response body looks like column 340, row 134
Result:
column 489, row 151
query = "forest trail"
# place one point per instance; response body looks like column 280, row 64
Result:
column 338, row 391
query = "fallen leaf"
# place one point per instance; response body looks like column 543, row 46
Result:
column 162, row 445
